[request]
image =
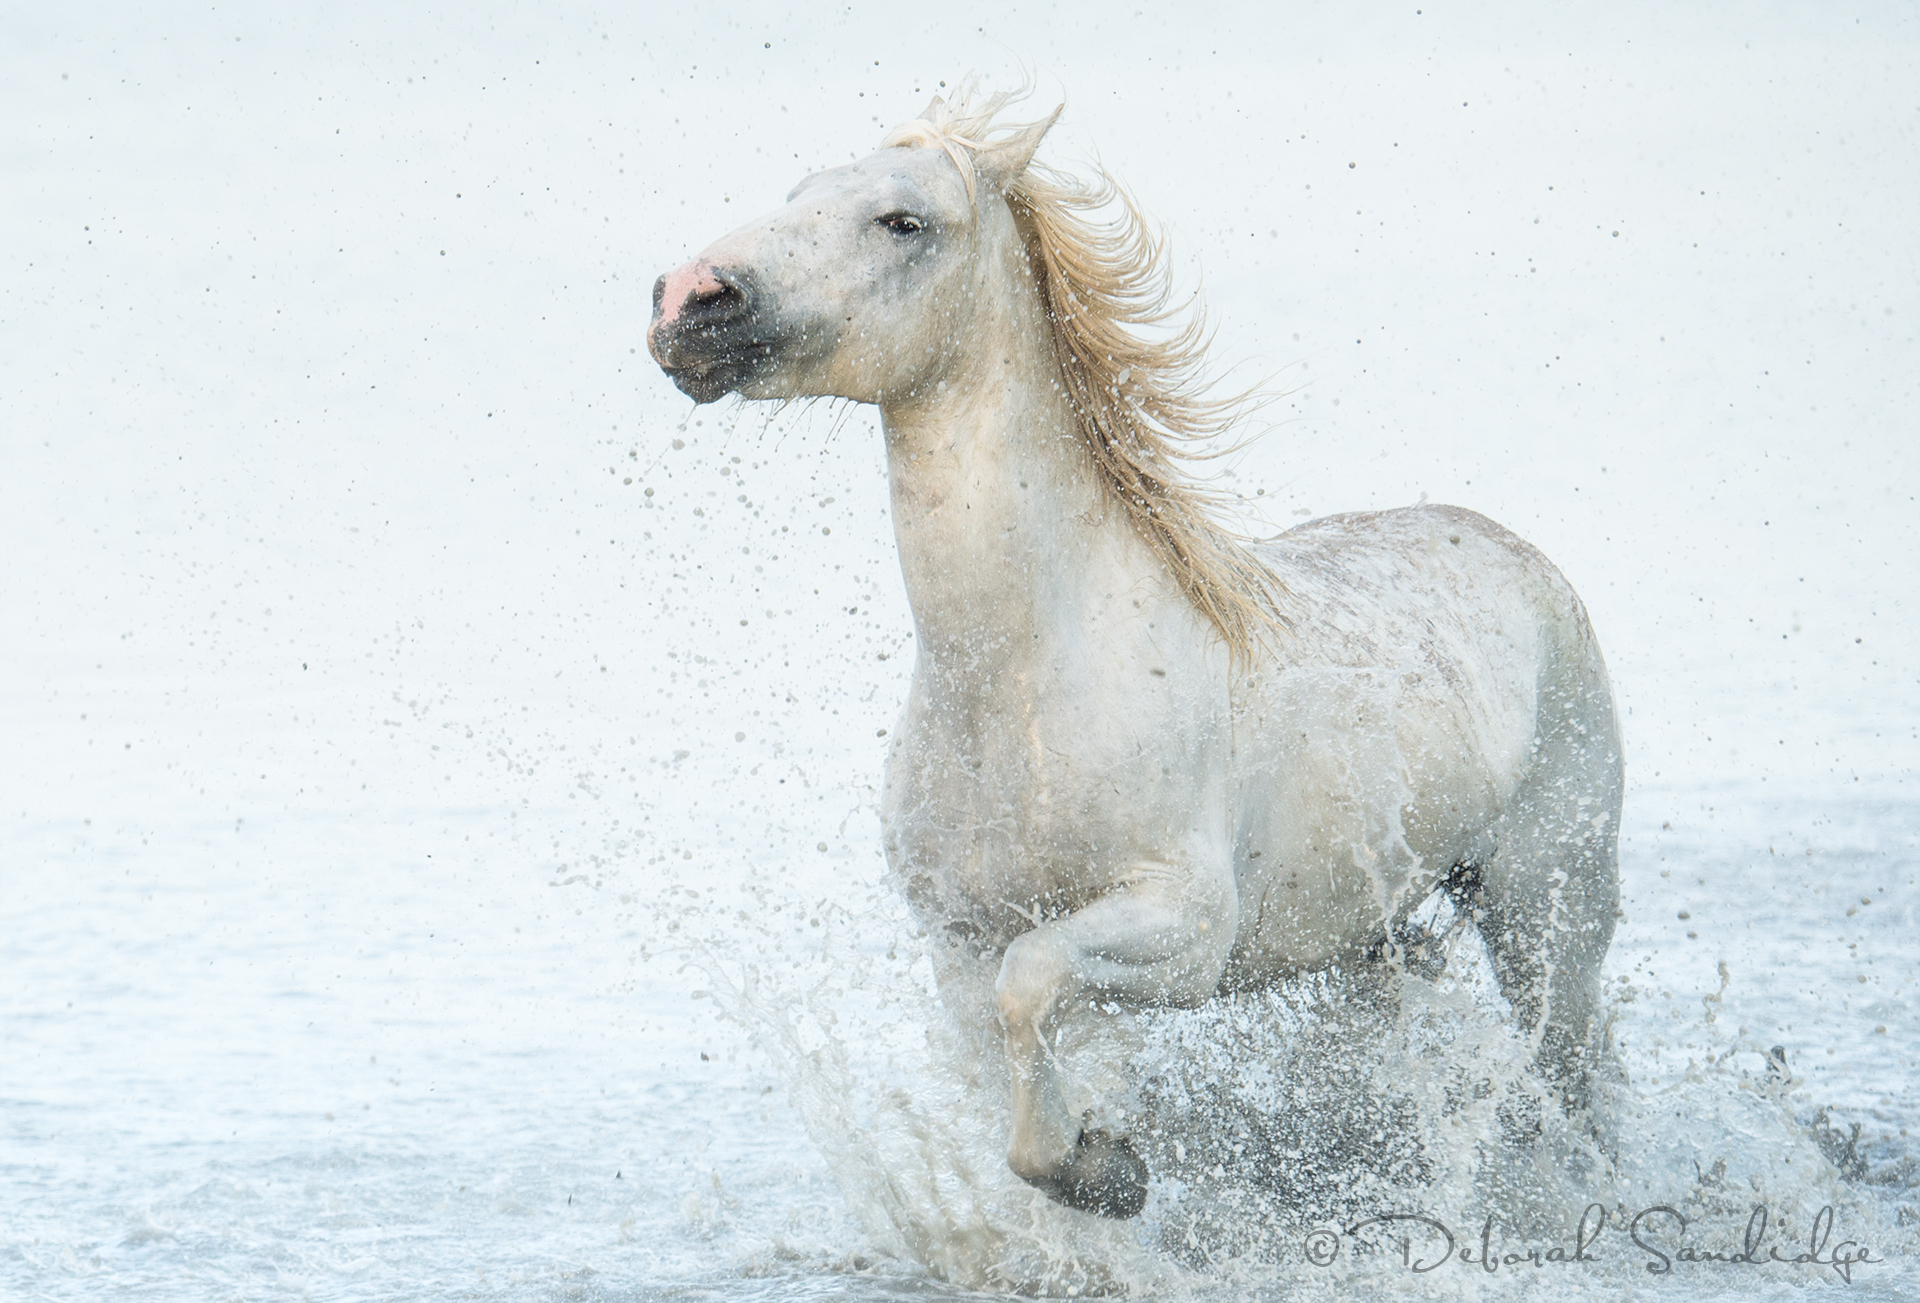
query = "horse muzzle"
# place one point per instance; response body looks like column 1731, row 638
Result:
column 709, row 333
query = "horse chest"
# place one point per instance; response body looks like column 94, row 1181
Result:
column 1000, row 817
column 977, row 831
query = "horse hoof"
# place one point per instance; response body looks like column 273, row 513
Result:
column 1103, row 1175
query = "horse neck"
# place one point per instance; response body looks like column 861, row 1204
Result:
column 1002, row 525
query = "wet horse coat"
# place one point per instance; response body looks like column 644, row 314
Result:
column 1140, row 759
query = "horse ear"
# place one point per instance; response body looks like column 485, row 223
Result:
column 1000, row 163
column 931, row 113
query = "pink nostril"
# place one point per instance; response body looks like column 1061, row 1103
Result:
column 694, row 280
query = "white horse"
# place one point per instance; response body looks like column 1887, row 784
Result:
column 1143, row 760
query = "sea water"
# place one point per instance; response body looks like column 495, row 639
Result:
column 307, row 1064
column 440, row 769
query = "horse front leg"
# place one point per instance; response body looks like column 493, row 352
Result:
column 1160, row 939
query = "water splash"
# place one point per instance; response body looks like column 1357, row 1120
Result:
column 1275, row 1117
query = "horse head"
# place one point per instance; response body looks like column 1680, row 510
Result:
column 865, row 285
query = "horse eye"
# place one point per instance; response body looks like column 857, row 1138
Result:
column 901, row 223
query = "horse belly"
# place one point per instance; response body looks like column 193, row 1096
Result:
column 1359, row 788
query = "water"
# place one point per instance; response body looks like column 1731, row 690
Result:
column 433, row 867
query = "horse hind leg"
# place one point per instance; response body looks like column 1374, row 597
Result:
column 1546, row 902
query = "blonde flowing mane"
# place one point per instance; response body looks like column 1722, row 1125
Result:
column 1145, row 404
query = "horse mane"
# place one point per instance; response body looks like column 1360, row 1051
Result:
column 1145, row 405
